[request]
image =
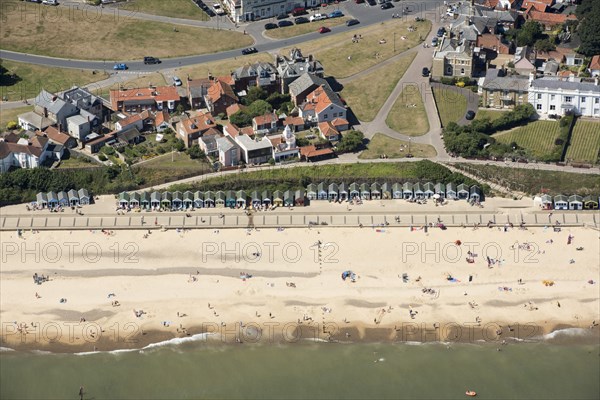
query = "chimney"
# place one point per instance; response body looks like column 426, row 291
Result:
column 45, row 112
column 596, row 81
column 531, row 77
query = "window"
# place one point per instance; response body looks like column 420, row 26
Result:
column 538, row 107
column 462, row 71
column 597, row 100
column 552, row 108
column 583, row 99
column 334, row 115
column 325, row 116
column 552, row 97
column 539, row 96
column 568, row 99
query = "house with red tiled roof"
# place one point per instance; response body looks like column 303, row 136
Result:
column 549, row 20
column 594, row 67
column 161, row 121
column 494, row 43
column 58, row 137
column 220, row 95
column 265, row 124
column 295, row 123
column 235, row 108
column 322, row 105
column 231, row 130
column 196, row 90
column 138, row 120
column 312, row 153
column 534, row 4
column 191, row 129
column 139, row 99
column 328, row 131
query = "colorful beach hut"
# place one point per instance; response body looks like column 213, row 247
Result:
column 561, row 202
column 451, row 191
column 300, row 198
column 475, row 194
column 278, row 198
column 375, row 191
column 365, row 191
column 462, row 191
column 288, row 198
column 322, row 193
column 440, row 189
column 429, row 190
column 73, row 197
column 155, row 200
column 209, row 199
column 343, row 192
column 41, row 200
column 63, row 198
column 177, row 201
column 546, row 202
column 397, row 191
column 166, row 199
column 333, row 191
column 198, row 199
column 220, row 198
column 241, row 199
column 267, row 198
column 407, row 191
column 134, row 199
column 144, row 200
column 354, row 191
column 418, row 191
column 84, row 197
column 256, row 199
column 386, row 191
column 311, row 191
column 230, row 199
column 188, row 199
column 590, row 202
column 52, row 199
column 575, row 202
column 123, row 199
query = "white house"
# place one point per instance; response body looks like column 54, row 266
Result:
column 551, row 95
column 254, row 151
column 322, row 105
column 24, row 152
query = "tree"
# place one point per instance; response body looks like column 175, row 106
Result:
column 180, row 109
column 241, row 119
column 255, row 93
column 196, row 153
column 588, row 13
column 259, row 107
column 276, row 100
column 529, row 33
column 351, row 141
column 544, row 45
column 179, row 145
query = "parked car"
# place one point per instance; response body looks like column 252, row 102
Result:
column 271, row 25
column 336, row 14
column 425, row 72
column 299, row 11
column 177, row 81
column 50, row 2
column 470, row 115
column 359, row 1
column 387, row 6
column 282, row 16
column 441, row 32
column 372, row 2
column 301, row 20
column 285, row 23
column 351, row 22
column 120, row 67
column 317, row 17
column 434, row 41
column 249, row 50
column 324, row 29
column 151, row 60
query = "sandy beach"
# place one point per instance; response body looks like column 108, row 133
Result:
column 129, row 288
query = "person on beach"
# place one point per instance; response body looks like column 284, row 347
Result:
column 81, row 393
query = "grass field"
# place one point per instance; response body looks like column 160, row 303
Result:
column 381, row 144
column 296, row 30
column 538, row 137
column 367, row 94
column 51, row 31
column 11, row 115
column 333, row 51
column 405, row 118
column 33, row 78
column 532, row 180
column 171, row 8
column 223, row 67
column 451, row 105
column 585, row 142
column 491, row 114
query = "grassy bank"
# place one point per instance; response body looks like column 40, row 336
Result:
column 585, row 142
column 408, row 115
column 173, row 8
column 381, row 145
column 11, row 115
column 537, row 137
column 451, row 105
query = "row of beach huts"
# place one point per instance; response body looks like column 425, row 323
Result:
column 65, row 199
column 331, row 192
column 562, row 202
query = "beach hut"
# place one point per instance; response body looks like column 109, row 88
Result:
column 475, row 194
column 256, row 199
column 134, row 199
column 311, row 191
column 440, row 189
column 375, row 191
column 73, row 197
column 407, row 191
column 267, row 198
column 198, row 199
column 590, row 203
column 300, row 198
column 354, row 191
column 451, row 191
column 546, row 202
column 241, row 199
column 418, row 191
column 155, row 200
column 397, row 191
column 177, row 200
column 429, row 190
column 278, row 198
column 41, row 200
column 166, row 199
column 220, row 198
column 575, row 202
column 386, row 191
column 188, row 199
column 63, row 198
column 145, row 200
column 462, row 191
column 333, row 191
column 84, row 197
column 288, row 198
column 123, row 199
column 365, row 191
column 230, row 199
column 209, row 199
column 561, row 202
column 322, row 193
column 52, row 199
column 342, row 192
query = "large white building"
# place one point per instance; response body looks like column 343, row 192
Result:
column 250, row 10
column 555, row 96
column 23, row 152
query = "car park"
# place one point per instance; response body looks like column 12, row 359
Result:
column 120, row 67
column 151, row 60
column 470, row 115
column 283, row 24
column 249, row 50
column 271, row 25
column 351, row 22
column 324, row 29
column 177, row 81
column 301, row 20
column 387, row 6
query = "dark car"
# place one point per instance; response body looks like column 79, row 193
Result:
column 270, row 25
column 425, row 72
column 282, row 16
column 209, row 12
column 441, row 32
column 470, row 115
column 351, row 22
column 249, row 50
column 372, row 2
column 151, row 60
column 301, row 20
column 283, row 24
column 387, row 6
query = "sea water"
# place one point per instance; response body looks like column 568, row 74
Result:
column 194, row 370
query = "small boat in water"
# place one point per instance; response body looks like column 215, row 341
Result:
column 471, row 393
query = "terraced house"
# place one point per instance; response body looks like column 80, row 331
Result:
column 249, row 10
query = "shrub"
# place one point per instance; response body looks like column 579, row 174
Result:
column 102, row 157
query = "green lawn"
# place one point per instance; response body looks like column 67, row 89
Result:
column 366, row 95
column 491, row 114
column 169, row 167
column 408, row 115
column 72, row 160
column 11, row 115
column 31, row 79
column 382, row 145
column 45, row 31
column 537, row 137
column 585, row 142
column 150, row 148
column 451, row 105
column 169, row 8
column 296, row 30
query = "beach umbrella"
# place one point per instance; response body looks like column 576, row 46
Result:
column 436, row 196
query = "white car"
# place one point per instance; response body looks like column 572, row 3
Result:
column 176, row 81
column 50, row 2
column 317, row 17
